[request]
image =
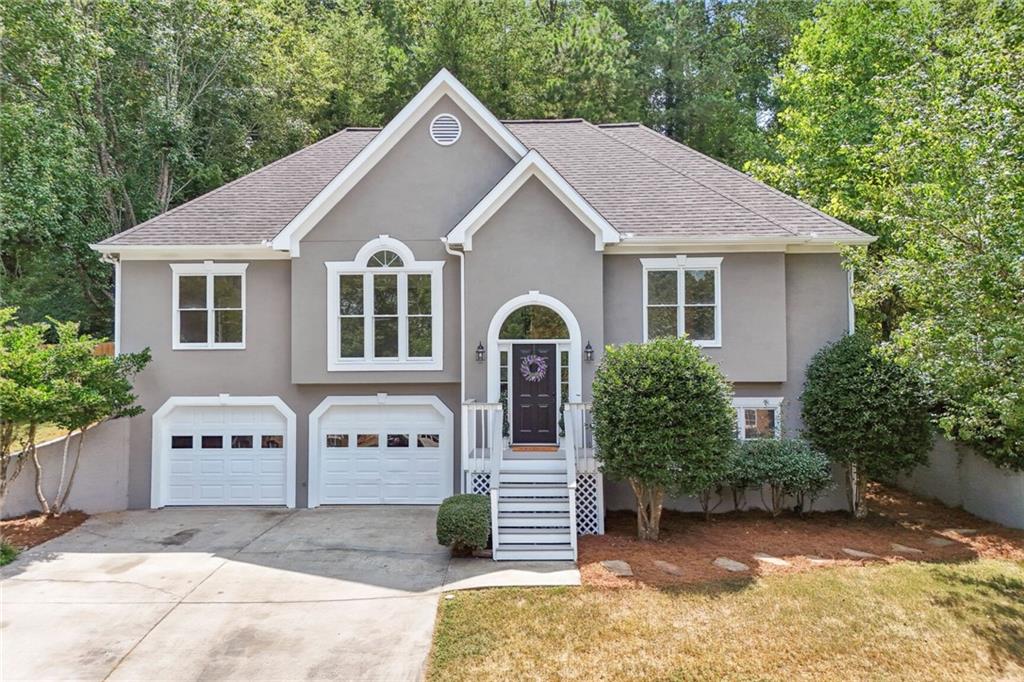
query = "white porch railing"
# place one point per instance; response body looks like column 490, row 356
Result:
column 482, row 440
column 579, row 436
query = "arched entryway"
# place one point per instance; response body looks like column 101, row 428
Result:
column 534, row 356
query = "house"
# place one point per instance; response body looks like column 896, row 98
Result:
column 393, row 316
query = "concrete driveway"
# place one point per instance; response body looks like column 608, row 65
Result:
column 255, row 594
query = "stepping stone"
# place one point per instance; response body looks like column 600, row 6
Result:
column 820, row 561
column 904, row 549
column 965, row 531
column 773, row 560
column 730, row 565
column 859, row 554
column 940, row 542
column 618, row 567
column 667, row 567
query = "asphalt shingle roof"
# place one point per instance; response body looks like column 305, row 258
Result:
column 642, row 182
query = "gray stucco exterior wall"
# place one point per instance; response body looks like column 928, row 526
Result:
column 753, row 311
column 416, row 194
column 533, row 243
column 261, row 369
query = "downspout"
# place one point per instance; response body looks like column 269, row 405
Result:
column 462, row 315
column 115, row 260
column 849, row 300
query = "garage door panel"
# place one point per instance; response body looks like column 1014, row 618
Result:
column 397, row 470
column 228, row 462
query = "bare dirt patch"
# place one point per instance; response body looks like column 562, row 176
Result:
column 34, row 529
column 817, row 541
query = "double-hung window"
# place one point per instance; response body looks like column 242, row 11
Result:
column 683, row 296
column 384, row 310
column 208, row 305
column 758, row 417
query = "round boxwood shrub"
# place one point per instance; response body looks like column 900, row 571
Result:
column 663, row 421
column 867, row 412
column 464, row 523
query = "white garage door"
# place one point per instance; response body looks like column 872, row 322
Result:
column 384, row 454
column 224, row 455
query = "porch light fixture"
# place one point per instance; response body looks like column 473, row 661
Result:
column 481, row 354
column 588, row 353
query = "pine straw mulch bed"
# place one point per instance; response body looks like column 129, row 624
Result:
column 692, row 544
column 34, row 529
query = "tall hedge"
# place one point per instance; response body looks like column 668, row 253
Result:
column 663, row 421
column 867, row 412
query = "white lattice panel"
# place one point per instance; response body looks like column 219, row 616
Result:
column 480, row 483
column 589, row 504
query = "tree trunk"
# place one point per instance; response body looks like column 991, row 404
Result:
column 857, row 493
column 44, row 506
column 61, row 501
column 648, row 510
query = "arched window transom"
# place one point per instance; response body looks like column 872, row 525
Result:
column 534, row 322
column 385, row 259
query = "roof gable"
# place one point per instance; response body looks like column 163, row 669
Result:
column 533, row 165
column 444, row 83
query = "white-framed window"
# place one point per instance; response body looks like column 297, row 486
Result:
column 683, row 295
column 384, row 310
column 758, row 417
column 208, row 306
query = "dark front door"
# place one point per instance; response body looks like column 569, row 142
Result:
column 534, row 388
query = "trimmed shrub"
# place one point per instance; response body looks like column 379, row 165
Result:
column 464, row 523
column 663, row 421
column 786, row 467
column 740, row 475
column 867, row 412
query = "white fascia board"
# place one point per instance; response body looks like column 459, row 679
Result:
column 444, row 83
column 640, row 245
column 191, row 252
column 533, row 165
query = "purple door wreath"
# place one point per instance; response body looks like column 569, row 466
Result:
column 533, row 368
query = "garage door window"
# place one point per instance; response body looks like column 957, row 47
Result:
column 384, row 310
column 367, row 440
column 337, row 440
column 428, row 440
column 398, row 440
column 241, row 442
column 216, row 442
column 272, row 442
column 209, row 305
column 181, row 442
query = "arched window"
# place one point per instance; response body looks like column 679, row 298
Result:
column 385, row 310
column 534, row 322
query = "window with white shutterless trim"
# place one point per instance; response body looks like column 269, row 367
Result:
column 683, row 295
column 208, row 306
column 384, row 310
column 758, row 417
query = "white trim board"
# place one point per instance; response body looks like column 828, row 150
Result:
column 192, row 251
column 157, row 494
column 533, row 165
column 360, row 266
column 444, row 83
column 575, row 343
column 313, row 479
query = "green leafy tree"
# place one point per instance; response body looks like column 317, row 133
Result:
column 867, row 412
column 26, row 397
column 905, row 118
column 663, row 421
column 86, row 389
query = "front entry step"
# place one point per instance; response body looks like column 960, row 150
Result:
column 559, row 552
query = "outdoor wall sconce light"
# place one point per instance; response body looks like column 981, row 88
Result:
column 481, row 354
column 588, row 353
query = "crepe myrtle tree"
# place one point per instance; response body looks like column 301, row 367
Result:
column 867, row 412
column 663, row 421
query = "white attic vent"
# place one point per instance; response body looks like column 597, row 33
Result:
column 445, row 129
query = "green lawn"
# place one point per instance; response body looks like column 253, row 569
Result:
column 901, row 621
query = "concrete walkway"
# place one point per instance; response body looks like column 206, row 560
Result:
column 256, row 594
